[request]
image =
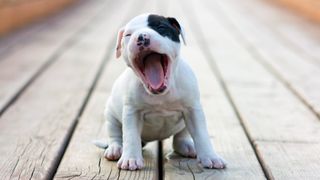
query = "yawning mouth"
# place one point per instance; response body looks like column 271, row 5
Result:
column 153, row 69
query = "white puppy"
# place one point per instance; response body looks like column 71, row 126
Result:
column 155, row 97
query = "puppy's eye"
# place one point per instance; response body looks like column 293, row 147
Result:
column 127, row 35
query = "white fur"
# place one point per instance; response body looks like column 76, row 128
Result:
column 133, row 114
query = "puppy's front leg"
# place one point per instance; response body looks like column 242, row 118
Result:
column 196, row 124
column 131, row 157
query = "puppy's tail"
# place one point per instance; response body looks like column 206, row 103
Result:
column 100, row 144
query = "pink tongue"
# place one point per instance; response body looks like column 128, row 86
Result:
column 153, row 71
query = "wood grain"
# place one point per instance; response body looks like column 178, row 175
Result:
column 35, row 129
column 292, row 31
column 30, row 58
column 225, row 130
column 269, row 111
column 82, row 159
column 244, row 75
column 291, row 160
column 259, row 92
column 290, row 66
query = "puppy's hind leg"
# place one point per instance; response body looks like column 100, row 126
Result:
column 114, row 138
column 183, row 144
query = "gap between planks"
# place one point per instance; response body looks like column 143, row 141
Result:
column 303, row 39
column 245, row 160
column 290, row 97
column 260, row 58
column 66, row 169
column 45, row 172
column 72, row 40
column 73, row 126
column 19, row 36
column 201, row 40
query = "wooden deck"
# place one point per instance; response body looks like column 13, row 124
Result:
column 258, row 68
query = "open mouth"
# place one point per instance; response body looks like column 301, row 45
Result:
column 153, row 69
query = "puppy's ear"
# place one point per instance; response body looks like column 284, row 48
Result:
column 178, row 27
column 119, row 42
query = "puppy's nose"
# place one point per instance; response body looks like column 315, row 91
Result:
column 143, row 40
column 140, row 37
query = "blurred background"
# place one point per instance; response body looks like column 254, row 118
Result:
column 16, row 14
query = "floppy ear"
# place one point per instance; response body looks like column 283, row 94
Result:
column 119, row 42
column 178, row 27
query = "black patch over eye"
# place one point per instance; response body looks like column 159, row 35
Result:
column 174, row 23
column 166, row 27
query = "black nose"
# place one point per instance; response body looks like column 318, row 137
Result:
column 140, row 38
column 143, row 40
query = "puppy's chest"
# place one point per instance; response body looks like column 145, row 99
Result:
column 162, row 115
column 162, row 122
column 163, row 112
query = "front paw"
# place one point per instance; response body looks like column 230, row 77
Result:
column 212, row 162
column 130, row 163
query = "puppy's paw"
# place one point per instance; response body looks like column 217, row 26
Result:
column 113, row 152
column 185, row 147
column 131, row 164
column 212, row 162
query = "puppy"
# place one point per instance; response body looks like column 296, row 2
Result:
column 156, row 96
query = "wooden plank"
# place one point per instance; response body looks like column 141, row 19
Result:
column 35, row 130
column 224, row 128
column 82, row 159
column 22, row 65
column 268, row 110
column 297, row 156
column 300, row 35
column 247, row 74
column 300, row 75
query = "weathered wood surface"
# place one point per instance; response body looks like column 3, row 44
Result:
column 296, row 70
column 82, row 159
column 24, row 60
column 257, row 67
column 36, row 128
column 270, row 112
column 293, row 31
column 225, row 129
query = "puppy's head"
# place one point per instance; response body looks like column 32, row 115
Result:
column 150, row 45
